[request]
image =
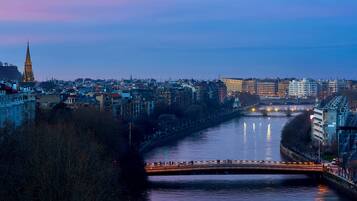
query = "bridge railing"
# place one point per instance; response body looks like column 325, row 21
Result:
column 227, row 162
column 233, row 167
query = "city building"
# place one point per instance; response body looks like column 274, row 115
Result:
column 28, row 75
column 9, row 72
column 348, row 136
column 250, row 86
column 105, row 102
column 222, row 91
column 133, row 109
column 233, row 84
column 328, row 117
column 201, row 92
column 303, row 88
column 347, row 146
column 48, row 101
column 267, row 88
column 283, row 88
column 15, row 107
column 175, row 96
column 323, row 89
column 336, row 86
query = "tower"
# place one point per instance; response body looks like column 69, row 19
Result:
column 28, row 74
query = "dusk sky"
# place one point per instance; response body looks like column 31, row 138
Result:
column 181, row 38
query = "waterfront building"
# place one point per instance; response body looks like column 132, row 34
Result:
column 28, row 75
column 267, row 88
column 303, row 88
column 15, row 107
column 233, row 84
column 328, row 117
column 133, row 108
column 354, row 85
column 323, row 89
column 283, row 88
column 213, row 95
column 250, row 86
column 349, row 84
column 336, row 86
column 293, row 88
column 222, row 91
column 175, row 96
column 201, row 92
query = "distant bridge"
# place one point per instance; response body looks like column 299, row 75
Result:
column 213, row 167
column 273, row 111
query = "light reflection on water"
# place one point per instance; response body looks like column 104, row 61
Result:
column 242, row 139
column 269, row 133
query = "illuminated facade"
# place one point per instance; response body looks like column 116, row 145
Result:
column 267, row 88
column 28, row 73
column 233, row 84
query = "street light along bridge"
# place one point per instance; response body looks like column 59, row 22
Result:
column 213, row 167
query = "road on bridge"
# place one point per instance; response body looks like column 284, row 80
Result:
column 231, row 167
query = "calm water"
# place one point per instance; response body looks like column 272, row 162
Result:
column 251, row 138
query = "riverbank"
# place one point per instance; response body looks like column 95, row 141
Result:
column 161, row 138
column 334, row 181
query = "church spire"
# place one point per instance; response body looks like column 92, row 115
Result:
column 28, row 74
column 28, row 56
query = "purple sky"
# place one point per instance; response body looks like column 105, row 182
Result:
column 181, row 38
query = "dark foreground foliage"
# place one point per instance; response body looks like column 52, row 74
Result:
column 296, row 134
column 68, row 155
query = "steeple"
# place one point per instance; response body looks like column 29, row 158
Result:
column 28, row 56
column 28, row 74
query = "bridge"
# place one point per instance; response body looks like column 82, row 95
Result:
column 213, row 167
column 273, row 111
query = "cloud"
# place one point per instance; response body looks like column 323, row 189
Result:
column 53, row 38
column 58, row 10
column 169, row 10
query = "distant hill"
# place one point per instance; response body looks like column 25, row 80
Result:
column 9, row 72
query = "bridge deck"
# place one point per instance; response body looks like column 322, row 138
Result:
column 231, row 167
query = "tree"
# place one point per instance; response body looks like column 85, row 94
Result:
column 296, row 133
column 81, row 155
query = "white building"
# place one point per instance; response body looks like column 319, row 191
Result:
column 328, row 117
column 303, row 88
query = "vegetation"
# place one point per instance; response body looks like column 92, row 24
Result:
column 67, row 155
column 169, row 116
column 296, row 134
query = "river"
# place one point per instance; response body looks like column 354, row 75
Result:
column 245, row 138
